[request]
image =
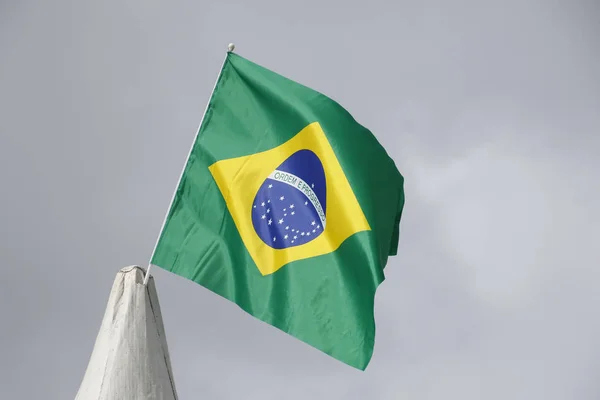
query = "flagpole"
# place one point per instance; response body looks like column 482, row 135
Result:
column 230, row 49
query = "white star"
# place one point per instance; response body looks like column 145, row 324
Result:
column 281, row 221
column 312, row 223
column 262, row 204
column 287, row 227
column 274, row 239
column 302, row 233
column 268, row 201
column 285, row 209
column 292, row 206
column 263, row 217
column 255, row 206
column 306, row 203
column 282, row 198
column 313, row 185
column 270, row 186
column 285, row 237
column 285, row 215
column 268, row 210
column 307, row 233
column 314, row 230
column 318, row 226
column 295, row 237
column 270, row 221
column 293, row 212
column 292, row 241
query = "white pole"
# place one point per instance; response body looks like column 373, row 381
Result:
column 230, row 49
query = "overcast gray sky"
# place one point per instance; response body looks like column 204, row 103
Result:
column 491, row 110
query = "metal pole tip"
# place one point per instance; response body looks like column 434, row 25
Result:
column 231, row 47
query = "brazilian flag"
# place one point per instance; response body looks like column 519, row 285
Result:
column 287, row 207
